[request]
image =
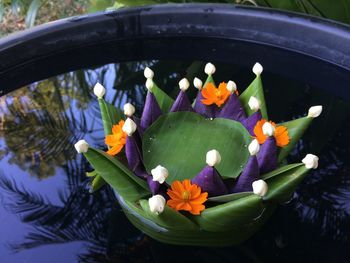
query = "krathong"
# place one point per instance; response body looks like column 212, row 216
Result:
column 208, row 172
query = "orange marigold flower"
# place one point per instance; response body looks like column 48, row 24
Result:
column 214, row 95
column 186, row 196
column 117, row 139
column 281, row 133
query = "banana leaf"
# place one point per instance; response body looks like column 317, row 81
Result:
column 296, row 129
column 229, row 197
column 164, row 100
column 282, row 187
column 110, row 116
column 170, row 218
column 229, row 215
column 182, row 148
column 117, row 175
column 280, row 170
column 254, row 89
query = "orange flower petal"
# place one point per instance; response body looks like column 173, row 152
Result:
column 115, row 149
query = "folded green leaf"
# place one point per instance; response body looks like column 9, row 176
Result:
column 170, row 218
column 209, row 79
column 296, row 129
column 174, row 142
column 164, row 100
column 280, row 170
column 128, row 185
column 97, row 183
column 230, row 215
column 229, row 197
column 282, row 187
column 91, row 174
column 254, row 89
column 110, row 115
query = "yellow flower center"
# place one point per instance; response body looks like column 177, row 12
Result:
column 186, row 195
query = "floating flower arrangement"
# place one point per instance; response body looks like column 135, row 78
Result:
column 208, row 172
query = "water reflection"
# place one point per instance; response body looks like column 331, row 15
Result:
column 40, row 123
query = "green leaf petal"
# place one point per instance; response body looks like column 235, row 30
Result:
column 179, row 141
column 198, row 237
column 210, row 79
column 296, row 129
column 97, row 183
column 229, row 197
column 282, row 187
column 254, row 89
column 164, row 100
column 110, row 115
column 232, row 214
column 128, row 185
column 170, row 218
column 280, row 170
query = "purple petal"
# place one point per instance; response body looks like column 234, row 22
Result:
column 134, row 157
column 151, row 111
column 250, row 122
column 232, row 109
column 202, row 109
column 267, row 156
column 182, row 103
column 210, row 181
column 250, row 174
column 153, row 185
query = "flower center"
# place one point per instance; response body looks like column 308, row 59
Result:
column 186, row 195
column 218, row 94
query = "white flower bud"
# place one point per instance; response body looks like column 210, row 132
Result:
column 184, row 84
column 254, row 103
column 257, row 69
column 213, row 158
column 159, row 174
column 148, row 73
column 149, row 84
column 156, row 204
column 231, row 86
column 81, row 146
column 197, row 83
column 268, row 129
column 310, row 161
column 129, row 109
column 209, row 69
column 254, row 147
column 99, row 90
column 260, row 187
column 129, row 127
column 315, row 111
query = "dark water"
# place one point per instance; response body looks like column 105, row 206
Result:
column 48, row 215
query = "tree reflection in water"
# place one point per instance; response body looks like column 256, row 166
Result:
column 40, row 123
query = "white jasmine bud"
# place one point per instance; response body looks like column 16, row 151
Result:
column 268, row 129
column 257, row 69
column 254, row 103
column 81, row 146
column 129, row 109
column 209, row 69
column 159, row 174
column 129, row 127
column 99, row 90
column 260, row 187
column 315, row 111
column 310, row 161
column 197, row 83
column 148, row 73
column 149, row 84
column 254, row 147
column 184, row 84
column 156, row 204
column 213, row 158
column 231, row 86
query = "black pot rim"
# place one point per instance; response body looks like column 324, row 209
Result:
column 297, row 46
